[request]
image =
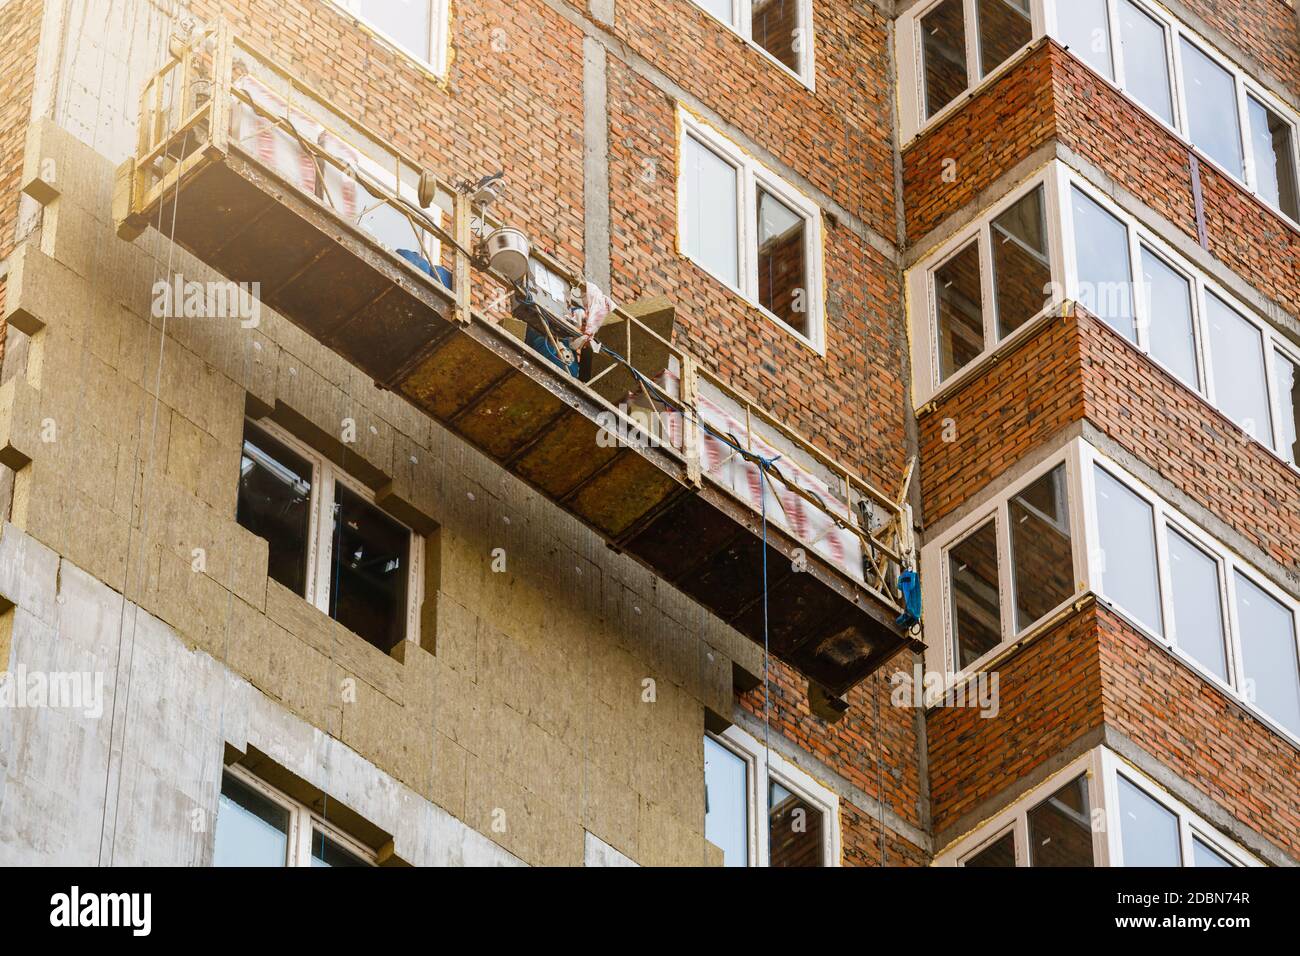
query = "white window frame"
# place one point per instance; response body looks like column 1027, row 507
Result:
column 941, row 652
column 1059, row 181
column 911, row 80
column 1202, row 285
column 1175, row 32
column 303, row 823
column 1165, row 516
column 742, row 24
column 1190, row 825
column 439, row 34
column 750, row 177
column 1102, row 767
column 923, row 304
column 320, row 539
column 760, row 763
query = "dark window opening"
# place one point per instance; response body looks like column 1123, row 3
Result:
column 976, row 612
column 943, row 54
column 1001, row 852
column 275, row 504
column 368, row 577
column 776, row 28
column 959, row 301
column 794, row 829
column 1060, row 828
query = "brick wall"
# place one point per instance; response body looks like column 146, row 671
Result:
column 1070, row 370
column 1051, row 695
column 1053, row 97
column 1205, row 737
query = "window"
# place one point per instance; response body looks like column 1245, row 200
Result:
column 326, row 538
column 976, row 611
column 1022, row 268
column 1198, row 604
column 1288, row 398
column 1157, row 830
column 1268, row 648
column 960, row 310
column 1083, row 27
column 1126, row 551
column 1102, row 261
column 1237, row 362
column 1212, row 121
column 726, row 802
column 1146, row 60
column 1178, row 78
column 417, row 27
column 761, row 810
column 1169, row 319
column 751, row 231
column 1193, row 595
column 1097, row 811
column 258, row 825
column 1042, row 568
column 1005, row 567
column 1273, row 149
column 1149, row 832
column 1060, row 828
column 989, row 281
column 960, row 42
column 782, row 29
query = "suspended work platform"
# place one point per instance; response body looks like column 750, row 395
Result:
column 263, row 180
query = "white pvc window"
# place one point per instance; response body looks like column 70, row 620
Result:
column 1187, row 323
column 419, row 28
column 1097, row 811
column 1190, row 593
column 782, row 30
column 1177, row 77
column 949, row 47
column 986, row 284
column 751, row 231
column 761, row 810
column 1007, row 566
column 257, row 825
column 328, row 540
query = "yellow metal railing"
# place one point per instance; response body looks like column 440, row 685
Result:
column 218, row 94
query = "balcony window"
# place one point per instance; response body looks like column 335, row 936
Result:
column 1126, row 551
column 943, row 54
column 1056, row 824
column 1213, row 603
column 417, row 27
column 1102, row 260
column 1042, row 569
column 1179, row 78
column 1149, row 832
column 1146, row 59
column 1273, row 146
column 1084, row 28
column 1170, row 321
column 257, row 825
column 751, row 231
column 976, row 598
column 1237, row 361
column 1288, row 397
column 1268, row 649
column 1060, row 828
column 959, row 298
column 1022, row 268
column 1004, row 27
column 761, row 810
column 327, row 540
column 1197, row 604
column 781, row 29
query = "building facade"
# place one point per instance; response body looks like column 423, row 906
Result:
column 345, row 524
